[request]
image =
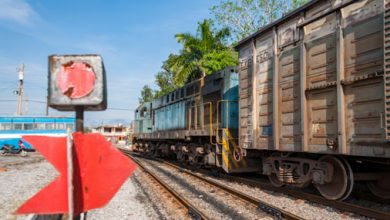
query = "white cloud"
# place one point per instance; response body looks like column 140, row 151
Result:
column 18, row 11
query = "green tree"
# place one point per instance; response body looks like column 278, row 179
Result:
column 217, row 60
column 244, row 17
column 191, row 63
column 297, row 3
column 146, row 94
column 165, row 82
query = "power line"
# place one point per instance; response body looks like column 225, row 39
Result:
column 121, row 109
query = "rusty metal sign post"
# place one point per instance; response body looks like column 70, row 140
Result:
column 91, row 169
column 69, row 161
column 76, row 83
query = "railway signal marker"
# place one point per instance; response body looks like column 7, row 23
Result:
column 99, row 170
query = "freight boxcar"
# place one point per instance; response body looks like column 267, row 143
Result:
column 314, row 102
column 314, row 89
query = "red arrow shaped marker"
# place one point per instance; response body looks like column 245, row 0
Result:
column 53, row 198
column 99, row 171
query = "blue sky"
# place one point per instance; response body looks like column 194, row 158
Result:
column 134, row 37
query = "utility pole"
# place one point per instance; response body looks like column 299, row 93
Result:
column 26, row 105
column 20, row 90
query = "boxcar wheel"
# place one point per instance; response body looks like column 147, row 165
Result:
column 273, row 178
column 342, row 180
column 380, row 188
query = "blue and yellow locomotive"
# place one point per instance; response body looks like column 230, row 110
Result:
column 196, row 124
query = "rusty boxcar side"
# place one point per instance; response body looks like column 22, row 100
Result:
column 314, row 81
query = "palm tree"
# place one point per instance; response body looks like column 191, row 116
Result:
column 189, row 64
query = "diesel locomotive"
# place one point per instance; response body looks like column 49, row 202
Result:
column 308, row 103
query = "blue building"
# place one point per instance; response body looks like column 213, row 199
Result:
column 12, row 128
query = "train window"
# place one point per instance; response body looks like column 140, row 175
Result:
column 17, row 126
column 189, row 90
column 50, row 126
column 69, row 126
column 144, row 112
column 39, row 126
column 60, row 126
column 172, row 96
column 28, row 126
column 182, row 92
column 167, row 98
column 5, row 126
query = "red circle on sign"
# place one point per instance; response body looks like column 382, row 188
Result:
column 76, row 79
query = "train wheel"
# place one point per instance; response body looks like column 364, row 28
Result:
column 380, row 188
column 342, row 181
column 273, row 178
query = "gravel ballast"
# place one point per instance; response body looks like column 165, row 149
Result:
column 130, row 202
column 21, row 181
column 215, row 203
column 299, row 207
column 24, row 177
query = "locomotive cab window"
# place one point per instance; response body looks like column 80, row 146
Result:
column 144, row 112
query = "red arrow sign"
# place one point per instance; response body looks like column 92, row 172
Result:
column 99, row 171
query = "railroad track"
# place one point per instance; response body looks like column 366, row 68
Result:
column 191, row 209
column 341, row 205
column 259, row 204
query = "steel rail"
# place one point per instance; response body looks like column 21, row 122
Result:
column 191, row 209
column 263, row 205
column 341, row 205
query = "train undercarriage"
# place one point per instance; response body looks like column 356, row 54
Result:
column 333, row 176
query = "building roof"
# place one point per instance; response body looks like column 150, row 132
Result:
column 110, row 126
